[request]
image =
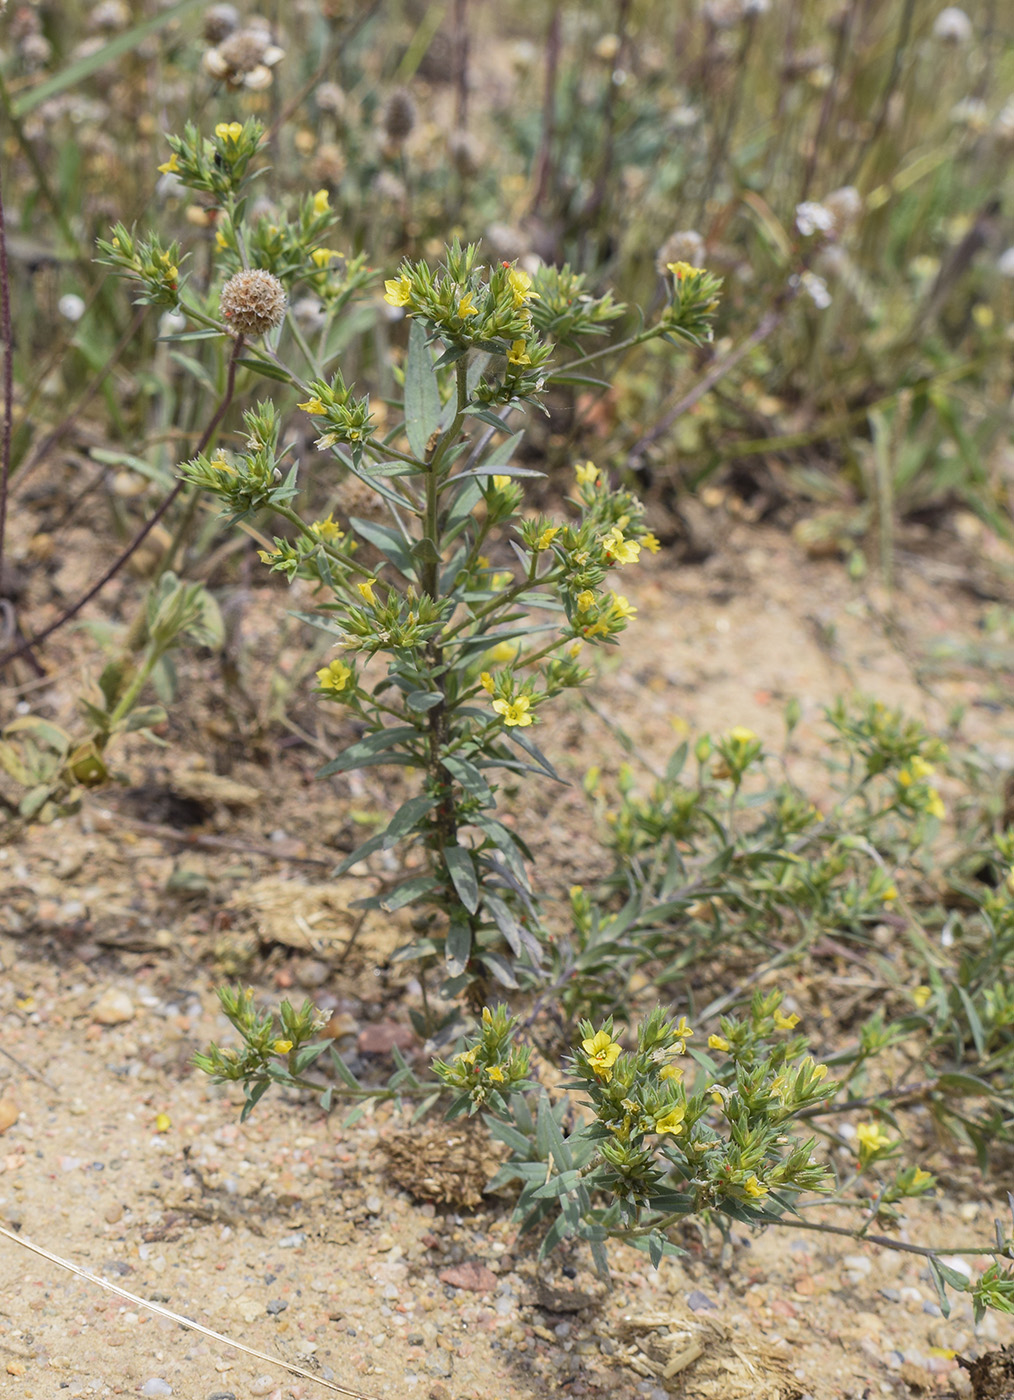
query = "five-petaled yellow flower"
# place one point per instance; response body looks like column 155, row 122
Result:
column 717, row 1042
column 229, row 131
column 321, row 203
column 671, row 1122
column 398, row 290
column 587, row 473
column 334, row 676
column 466, row 307
column 871, row 1138
column 921, row 995
column 282, row 1047
column 753, row 1187
column 620, row 607
column 518, row 354
column 366, row 590
column 785, row 1023
column 515, row 712
column 327, row 530
column 620, row 550
column 495, row 1073
column 585, row 600
column 673, row 1072
column 168, row 167
column 521, row 286
column 602, row 1052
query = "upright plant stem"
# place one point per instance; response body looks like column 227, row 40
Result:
column 544, row 160
column 8, row 383
column 145, row 530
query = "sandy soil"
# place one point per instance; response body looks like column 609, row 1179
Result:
column 287, row 1233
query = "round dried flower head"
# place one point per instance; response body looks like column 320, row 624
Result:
column 466, row 154
column 952, row 26
column 398, row 117
column 331, row 98
column 245, row 58
column 686, row 245
column 219, row 22
column 252, row 302
column 110, row 15
column 845, row 205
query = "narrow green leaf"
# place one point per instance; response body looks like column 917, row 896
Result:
column 461, row 868
column 422, row 394
column 458, row 947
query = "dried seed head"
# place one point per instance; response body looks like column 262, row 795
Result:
column 252, row 302
column 952, row 26
column 331, row 98
column 845, row 205
column 686, row 245
column 219, row 22
column 466, row 154
column 244, row 58
column 398, row 117
column 110, row 15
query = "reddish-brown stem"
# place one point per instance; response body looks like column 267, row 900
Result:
column 145, row 530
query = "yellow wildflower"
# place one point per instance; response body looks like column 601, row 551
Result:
column 327, row 530
column 651, row 543
column 920, row 1178
column 602, row 1052
column 486, row 681
column 366, row 591
column 920, row 768
column 673, row 1072
column 313, row 406
column 620, row 550
column 585, row 600
column 334, row 676
column 889, row 894
column 683, row 1033
column 505, row 652
column 518, row 353
column 753, row 1187
column 168, row 167
column 521, row 286
column 466, row 307
column 671, row 1122
column 819, row 1072
column 467, row 1057
column 680, row 270
column 321, row 203
column 620, row 607
column 221, row 242
column 587, row 473
column 282, row 1047
column 501, row 482
column 495, row 1073
column 717, row 1042
column 398, row 290
column 547, row 537
column 487, row 1016
column 741, row 735
column 935, row 806
column 921, row 995
column 323, row 257
column 229, row 131
column 905, row 778
column 871, row 1139
column 785, row 1023
column 514, row 712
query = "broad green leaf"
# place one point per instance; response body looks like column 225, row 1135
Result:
column 461, row 868
column 458, row 947
column 422, row 394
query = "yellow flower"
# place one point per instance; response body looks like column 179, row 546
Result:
column 495, row 1073
column 680, row 270
column 741, row 735
column 673, row 1072
column 486, row 681
column 889, row 894
column 905, row 778
column 366, row 590
column 514, row 712
column 620, row 607
column 326, row 529
column 651, row 543
column 602, row 1052
column 683, row 1033
column 547, row 537
column 753, row 1187
column 168, row 167
column 587, row 473
column 398, row 290
column 324, row 256
column 229, row 131
column 871, row 1139
column 518, row 354
column 920, row 1178
column 334, row 676
column 521, row 286
column 501, row 482
column 935, row 806
column 505, row 652
column 717, row 1042
column 620, row 550
column 163, row 1123
column 785, row 1023
column 221, row 242
column 585, row 600
column 282, row 1047
column 467, row 1057
column 671, row 1122
column 487, row 1016
column 321, row 203
column 313, row 406
column 819, row 1072
column 920, row 768
column 921, row 995
column 466, row 306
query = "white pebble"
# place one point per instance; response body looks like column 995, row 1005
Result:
column 156, row 1386
column 263, row 1385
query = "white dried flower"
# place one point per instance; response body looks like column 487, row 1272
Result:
column 952, row 26
column 812, row 218
column 252, row 302
column 845, row 205
column 685, row 245
column 816, row 289
column 971, row 112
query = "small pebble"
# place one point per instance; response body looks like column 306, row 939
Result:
column 156, row 1386
column 291, row 1242
column 112, row 1009
column 891, row 1294
column 263, row 1385
column 222, row 1395
column 276, row 1306
column 700, row 1302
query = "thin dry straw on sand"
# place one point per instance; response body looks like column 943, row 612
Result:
column 183, row 1321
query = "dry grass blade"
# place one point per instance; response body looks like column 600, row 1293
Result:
column 183, row 1321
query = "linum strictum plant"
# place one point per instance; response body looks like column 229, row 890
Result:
column 445, row 658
